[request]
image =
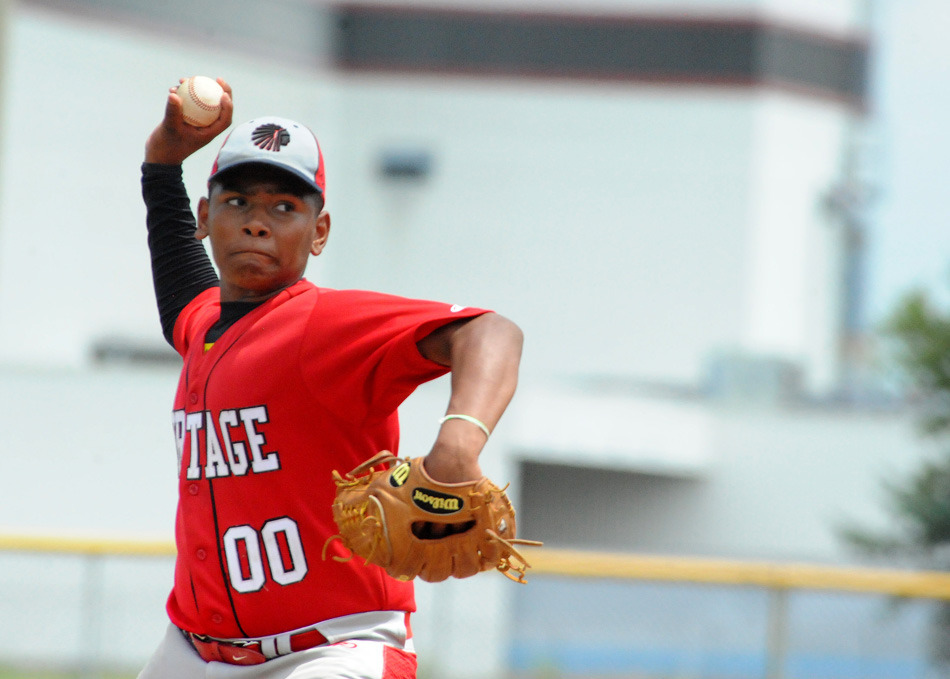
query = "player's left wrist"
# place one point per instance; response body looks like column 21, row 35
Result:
column 452, row 464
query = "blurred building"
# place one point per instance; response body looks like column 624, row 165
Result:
column 669, row 202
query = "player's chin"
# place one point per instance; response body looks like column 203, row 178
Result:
column 259, row 283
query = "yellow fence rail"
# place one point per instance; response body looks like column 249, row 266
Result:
column 902, row 583
column 60, row 544
column 585, row 564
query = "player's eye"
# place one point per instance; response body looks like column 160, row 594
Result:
column 286, row 206
column 236, row 201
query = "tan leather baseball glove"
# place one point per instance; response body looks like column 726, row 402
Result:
column 400, row 519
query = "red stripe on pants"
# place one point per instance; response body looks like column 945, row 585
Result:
column 398, row 664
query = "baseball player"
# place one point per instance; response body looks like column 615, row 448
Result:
column 283, row 382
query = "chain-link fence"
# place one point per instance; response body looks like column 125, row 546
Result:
column 602, row 628
column 652, row 618
column 84, row 608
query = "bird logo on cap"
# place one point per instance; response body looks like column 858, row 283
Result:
column 270, row 137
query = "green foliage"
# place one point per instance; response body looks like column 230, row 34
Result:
column 921, row 336
column 924, row 503
column 919, row 333
column 921, row 506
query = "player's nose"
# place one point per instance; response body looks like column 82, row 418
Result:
column 256, row 230
column 256, row 226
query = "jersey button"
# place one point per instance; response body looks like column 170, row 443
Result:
column 193, row 489
column 193, row 397
column 217, row 618
column 201, row 554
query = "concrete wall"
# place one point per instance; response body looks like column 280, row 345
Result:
column 774, row 483
column 633, row 230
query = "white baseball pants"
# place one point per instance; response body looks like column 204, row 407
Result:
column 175, row 658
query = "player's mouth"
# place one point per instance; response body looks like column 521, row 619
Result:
column 256, row 253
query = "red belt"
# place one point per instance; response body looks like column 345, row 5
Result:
column 252, row 651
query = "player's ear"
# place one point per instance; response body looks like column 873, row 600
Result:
column 321, row 233
column 202, row 230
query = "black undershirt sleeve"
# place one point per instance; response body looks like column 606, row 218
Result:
column 181, row 268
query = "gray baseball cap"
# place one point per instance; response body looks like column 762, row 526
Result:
column 278, row 142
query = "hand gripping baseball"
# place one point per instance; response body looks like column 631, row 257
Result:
column 388, row 517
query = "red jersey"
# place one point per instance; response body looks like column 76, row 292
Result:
column 306, row 383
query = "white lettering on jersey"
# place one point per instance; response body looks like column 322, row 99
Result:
column 255, row 439
column 193, row 423
column 227, row 453
column 298, row 562
column 236, row 451
column 215, row 466
column 178, row 427
column 253, row 580
column 248, row 574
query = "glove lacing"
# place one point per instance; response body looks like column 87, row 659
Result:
column 513, row 565
column 360, row 512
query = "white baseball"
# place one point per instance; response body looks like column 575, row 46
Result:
column 200, row 100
